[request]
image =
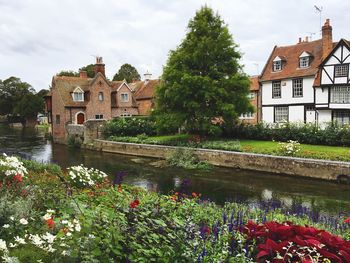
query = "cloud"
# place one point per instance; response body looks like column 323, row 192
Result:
column 40, row 38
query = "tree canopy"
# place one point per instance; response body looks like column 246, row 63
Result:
column 127, row 72
column 203, row 80
column 11, row 92
column 29, row 106
column 89, row 69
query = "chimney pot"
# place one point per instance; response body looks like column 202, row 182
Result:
column 306, row 39
column 83, row 74
column 99, row 66
column 299, row 40
column 327, row 39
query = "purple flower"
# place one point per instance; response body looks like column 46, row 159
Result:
column 118, row 178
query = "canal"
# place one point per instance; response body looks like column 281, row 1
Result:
column 217, row 184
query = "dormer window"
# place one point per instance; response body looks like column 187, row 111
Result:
column 277, row 64
column 304, row 60
column 78, row 94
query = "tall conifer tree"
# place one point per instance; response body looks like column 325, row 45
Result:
column 203, row 79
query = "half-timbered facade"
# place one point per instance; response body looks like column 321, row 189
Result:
column 332, row 86
column 288, row 79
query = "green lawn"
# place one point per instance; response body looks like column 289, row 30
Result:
column 336, row 153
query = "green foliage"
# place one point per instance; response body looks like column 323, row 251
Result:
column 308, row 133
column 127, row 72
column 106, row 224
column 29, row 106
column 42, row 168
column 186, row 158
column 74, row 141
column 12, row 90
column 90, row 70
column 68, row 73
column 172, row 140
column 129, row 127
column 202, row 79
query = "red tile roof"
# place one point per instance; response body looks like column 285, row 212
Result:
column 291, row 55
column 254, row 83
column 146, row 89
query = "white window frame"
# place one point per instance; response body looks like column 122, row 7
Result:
column 78, row 95
column 277, row 65
column 100, row 96
column 123, row 99
column 304, row 62
column 251, row 95
column 281, row 114
column 340, row 94
column 276, row 90
column 341, row 117
column 98, row 116
column 341, row 71
column 297, row 88
column 247, row 115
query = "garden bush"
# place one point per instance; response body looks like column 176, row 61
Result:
column 332, row 134
column 130, row 126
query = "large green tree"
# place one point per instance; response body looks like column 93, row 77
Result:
column 203, row 80
column 29, row 106
column 90, row 69
column 71, row 73
column 12, row 90
column 127, row 72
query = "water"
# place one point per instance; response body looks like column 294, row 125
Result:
column 218, row 184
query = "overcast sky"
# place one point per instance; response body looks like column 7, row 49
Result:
column 39, row 38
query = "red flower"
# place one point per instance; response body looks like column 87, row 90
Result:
column 347, row 220
column 134, row 203
column 50, row 223
column 18, row 178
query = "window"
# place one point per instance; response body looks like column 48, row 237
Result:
column 341, row 71
column 340, row 94
column 304, row 62
column 277, row 65
column 58, row 119
column 100, row 96
column 124, row 97
column 78, row 96
column 276, row 89
column 247, row 115
column 297, row 88
column 341, row 117
column 125, row 114
column 251, row 95
column 99, row 116
column 281, row 114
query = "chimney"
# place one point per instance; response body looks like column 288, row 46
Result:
column 306, row 39
column 99, row 66
column 147, row 76
column 83, row 74
column 327, row 41
column 299, row 40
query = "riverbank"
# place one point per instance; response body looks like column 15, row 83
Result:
column 312, row 168
column 66, row 218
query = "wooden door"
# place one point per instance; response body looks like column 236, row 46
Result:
column 80, row 118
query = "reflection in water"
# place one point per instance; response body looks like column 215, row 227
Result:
column 219, row 184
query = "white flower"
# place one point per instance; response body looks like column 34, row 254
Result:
column 49, row 237
column 64, row 222
column 47, row 216
column 69, row 234
column 6, row 226
column 19, row 240
column 50, row 211
column 64, row 253
column 12, row 218
column 3, row 246
column 77, row 227
column 23, row 221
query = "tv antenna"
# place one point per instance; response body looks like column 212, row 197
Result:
column 319, row 10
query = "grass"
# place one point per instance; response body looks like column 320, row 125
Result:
column 335, row 153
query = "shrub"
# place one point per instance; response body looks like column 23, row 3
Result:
column 129, row 127
column 331, row 134
column 186, row 158
column 290, row 148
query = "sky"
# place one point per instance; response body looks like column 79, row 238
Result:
column 39, row 38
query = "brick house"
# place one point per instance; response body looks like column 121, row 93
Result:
column 74, row 100
column 255, row 100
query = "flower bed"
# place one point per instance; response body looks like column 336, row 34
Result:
column 47, row 217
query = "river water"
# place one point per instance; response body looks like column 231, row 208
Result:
column 217, row 184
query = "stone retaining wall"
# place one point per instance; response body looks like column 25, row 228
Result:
column 327, row 170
